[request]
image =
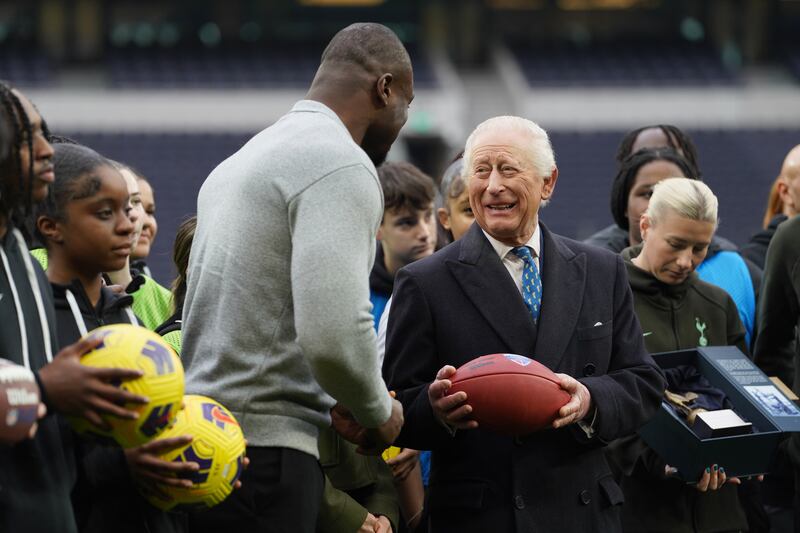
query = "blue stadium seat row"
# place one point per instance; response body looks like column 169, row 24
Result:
column 739, row 165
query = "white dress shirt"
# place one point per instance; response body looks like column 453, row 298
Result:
column 513, row 263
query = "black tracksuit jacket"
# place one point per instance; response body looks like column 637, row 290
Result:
column 105, row 497
column 35, row 475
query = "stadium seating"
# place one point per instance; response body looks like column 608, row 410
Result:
column 621, row 65
column 25, row 68
column 739, row 165
column 274, row 68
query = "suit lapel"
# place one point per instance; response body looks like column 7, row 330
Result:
column 487, row 283
column 563, row 280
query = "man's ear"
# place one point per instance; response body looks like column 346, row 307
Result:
column 384, row 89
column 549, row 184
column 783, row 191
column 49, row 229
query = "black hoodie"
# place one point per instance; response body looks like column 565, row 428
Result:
column 139, row 266
column 381, row 284
column 76, row 316
column 105, row 497
column 690, row 314
column 380, row 281
column 35, row 480
column 756, row 248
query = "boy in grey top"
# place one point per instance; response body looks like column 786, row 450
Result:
column 277, row 323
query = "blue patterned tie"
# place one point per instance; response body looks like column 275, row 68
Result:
column 531, row 282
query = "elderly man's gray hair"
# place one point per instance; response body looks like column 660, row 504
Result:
column 539, row 149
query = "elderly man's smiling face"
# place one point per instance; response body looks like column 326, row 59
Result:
column 505, row 190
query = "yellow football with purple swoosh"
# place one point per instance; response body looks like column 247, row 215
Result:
column 129, row 346
column 217, row 446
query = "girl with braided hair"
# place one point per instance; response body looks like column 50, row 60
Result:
column 656, row 137
column 36, row 475
column 659, row 136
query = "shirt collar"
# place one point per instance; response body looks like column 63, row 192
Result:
column 503, row 249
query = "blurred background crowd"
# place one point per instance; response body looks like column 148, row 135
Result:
column 173, row 87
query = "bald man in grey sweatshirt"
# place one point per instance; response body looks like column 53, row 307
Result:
column 277, row 321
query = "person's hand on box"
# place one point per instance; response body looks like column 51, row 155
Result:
column 713, row 478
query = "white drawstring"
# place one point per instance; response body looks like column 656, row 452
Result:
column 37, row 295
column 131, row 316
column 23, row 332
column 78, row 316
column 76, row 313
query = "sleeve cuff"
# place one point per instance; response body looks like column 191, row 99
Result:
column 451, row 430
column 589, row 429
column 42, row 392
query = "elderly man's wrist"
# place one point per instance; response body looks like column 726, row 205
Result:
column 587, row 423
column 451, row 430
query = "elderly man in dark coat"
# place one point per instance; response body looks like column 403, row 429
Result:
column 510, row 285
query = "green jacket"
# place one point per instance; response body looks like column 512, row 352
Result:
column 675, row 317
column 776, row 351
column 354, row 485
column 152, row 303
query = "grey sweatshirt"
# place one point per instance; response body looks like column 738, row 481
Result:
column 277, row 320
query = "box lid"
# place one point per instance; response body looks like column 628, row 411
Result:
column 767, row 398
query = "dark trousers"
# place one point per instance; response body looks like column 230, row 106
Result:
column 281, row 493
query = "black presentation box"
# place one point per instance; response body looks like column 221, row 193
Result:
column 754, row 398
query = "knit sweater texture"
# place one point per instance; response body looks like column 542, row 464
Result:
column 276, row 322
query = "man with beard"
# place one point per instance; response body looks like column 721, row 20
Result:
column 276, row 322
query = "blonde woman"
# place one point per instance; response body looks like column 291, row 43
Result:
column 677, row 310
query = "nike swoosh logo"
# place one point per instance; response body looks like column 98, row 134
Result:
column 646, row 333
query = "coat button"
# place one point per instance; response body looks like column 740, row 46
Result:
column 519, row 502
column 589, row 369
column 586, row 498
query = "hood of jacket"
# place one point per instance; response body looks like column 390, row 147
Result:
column 380, row 281
column 111, row 308
column 764, row 236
